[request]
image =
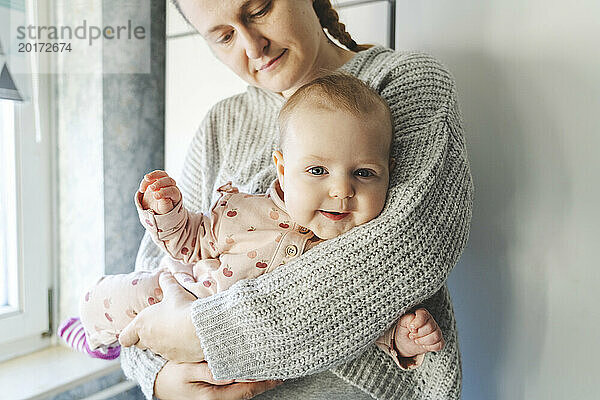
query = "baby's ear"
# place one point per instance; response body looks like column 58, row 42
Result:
column 279, row 165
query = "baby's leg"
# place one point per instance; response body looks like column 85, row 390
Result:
column 108, row 307
column 417, row 333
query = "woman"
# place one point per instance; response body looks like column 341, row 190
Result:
column 295, row 321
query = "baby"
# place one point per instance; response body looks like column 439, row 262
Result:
column 332, row 175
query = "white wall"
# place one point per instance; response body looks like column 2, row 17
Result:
column 525, row 291
column 195, row 80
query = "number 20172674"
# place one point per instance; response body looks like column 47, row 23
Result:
column 42, row 47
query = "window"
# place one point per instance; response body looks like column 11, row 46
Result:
column 26, row 215
column 8, row 234
column 8, row 211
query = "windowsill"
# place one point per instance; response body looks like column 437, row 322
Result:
column 49, row 372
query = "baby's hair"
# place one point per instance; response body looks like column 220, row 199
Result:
column 332, row 92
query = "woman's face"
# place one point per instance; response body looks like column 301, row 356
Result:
column 273, row 44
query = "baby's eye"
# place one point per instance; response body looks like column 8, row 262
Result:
column 316, row 171
column 364, row 173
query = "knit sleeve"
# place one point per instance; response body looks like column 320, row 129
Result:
column 331, row 303
column 196, row 186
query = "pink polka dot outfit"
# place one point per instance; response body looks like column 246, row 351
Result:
column 244, row 237
column 113, row 302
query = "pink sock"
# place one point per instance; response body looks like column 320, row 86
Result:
column 73, row 334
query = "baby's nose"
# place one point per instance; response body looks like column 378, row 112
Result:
column 341, row 189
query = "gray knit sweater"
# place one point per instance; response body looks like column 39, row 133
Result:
column 298, row 321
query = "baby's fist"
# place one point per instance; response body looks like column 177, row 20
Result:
column 160, row 192
column 418, row 333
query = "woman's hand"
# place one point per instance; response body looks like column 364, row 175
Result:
column 166, row 327
column 195, row 381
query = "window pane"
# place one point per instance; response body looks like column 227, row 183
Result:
column 8, row 213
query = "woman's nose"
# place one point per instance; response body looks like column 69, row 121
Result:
column 255, row 43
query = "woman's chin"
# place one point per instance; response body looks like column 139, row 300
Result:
column 277, row 86
column 279, row 81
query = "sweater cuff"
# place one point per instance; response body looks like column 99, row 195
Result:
column 141, row 366
column 209, row 316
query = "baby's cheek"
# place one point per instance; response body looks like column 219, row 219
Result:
column 300, row 211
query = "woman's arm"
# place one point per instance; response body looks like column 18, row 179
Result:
column 333, row 302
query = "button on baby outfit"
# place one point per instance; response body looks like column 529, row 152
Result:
column 303, row 230
column 291, row 250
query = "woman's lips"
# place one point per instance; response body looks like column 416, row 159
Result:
column 335, row 216
column 272, row 62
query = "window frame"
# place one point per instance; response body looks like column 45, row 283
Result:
column 27, row 327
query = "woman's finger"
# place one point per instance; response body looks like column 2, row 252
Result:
column 199, row 372
column 238, row 391
column 129, row 335
column 169, row 285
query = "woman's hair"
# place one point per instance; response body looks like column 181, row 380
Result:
column 335, row 91
column 178, row 7
column 328, row 18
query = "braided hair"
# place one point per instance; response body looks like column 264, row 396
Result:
column 330, row 20
column 178, row 7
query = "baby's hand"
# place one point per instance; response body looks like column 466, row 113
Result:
column 159, row 192
column 418, row 333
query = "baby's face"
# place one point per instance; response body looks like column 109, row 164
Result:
column 334, row 169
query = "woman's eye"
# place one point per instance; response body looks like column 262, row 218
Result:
column 226, row 38
column 316, row 171
column 364, row 173
column 262, row 12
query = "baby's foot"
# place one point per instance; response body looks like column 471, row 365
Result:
column 418, row 333
column 73, row 334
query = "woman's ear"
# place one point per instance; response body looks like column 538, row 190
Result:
column 279, row 166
